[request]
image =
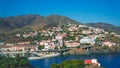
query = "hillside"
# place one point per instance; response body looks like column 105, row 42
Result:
column 32, row 22
column 37, row 22
column 105, row 26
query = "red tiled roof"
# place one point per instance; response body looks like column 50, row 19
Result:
column 87, row 61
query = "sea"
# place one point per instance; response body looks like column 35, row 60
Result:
column 106, row 60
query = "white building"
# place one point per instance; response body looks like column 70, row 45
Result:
column 109, row 44
column 71, row 44
column 60, row 40
column 88, row 40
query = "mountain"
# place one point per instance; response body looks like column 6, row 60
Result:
column 37, row 22
column 105, row 26
column 33, row 22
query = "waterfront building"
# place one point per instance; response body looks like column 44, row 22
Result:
column 90, row 40
column 71, row 44
column 19, row 48
column 92, row 61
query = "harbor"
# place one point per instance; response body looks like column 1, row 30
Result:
column 33, row 55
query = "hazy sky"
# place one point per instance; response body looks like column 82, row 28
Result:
column 84, row 11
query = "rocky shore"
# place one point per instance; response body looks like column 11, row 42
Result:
column 95, row 50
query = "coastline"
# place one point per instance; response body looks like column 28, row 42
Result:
column 90, row 54
column 43, row 56
column 79, row 51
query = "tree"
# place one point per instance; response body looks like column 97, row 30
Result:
column 64, row 46
column 78, row 46
column 70, row 37
column 54, row 66
column 17, row 62
column 41, row 47
column 32, row 43
column 56, row 48
column 70, row 64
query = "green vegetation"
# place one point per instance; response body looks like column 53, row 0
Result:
column 112, row 38
column 31, row 22
column 18, row 62
column 32, row 43
column 56, row 48
column 70, row 38
column 69, row 64
column 63, row 47
column 73, row 64
column 40, row 47
column 78, row 47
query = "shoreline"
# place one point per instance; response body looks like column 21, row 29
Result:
column 91, row 54
column 73, row 53
column 43, row 56
column 79, row 51
column 100, row 57
column 94, row 53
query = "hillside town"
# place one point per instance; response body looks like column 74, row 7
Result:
column 61, row 37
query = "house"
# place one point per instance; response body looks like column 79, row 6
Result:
column 86, row 31
column 71, row 44
column 106, row 33
column 23, row 43
column 49, row 46
column 92, row 61
column 77, row 38
column 82, row 26
column 9, row 44
column 5, row 48
column 73, row 28
column 62, row 34
column 117, row 36
column 19, row 48
column 113, row 33
column 88, row 61
column 43, row 42
column 18, row 35
column 109, row 44
column 90, row 40
column 26, row 35
column 98, row 30
column 59, row 37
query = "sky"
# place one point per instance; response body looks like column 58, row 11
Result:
column 84, row 11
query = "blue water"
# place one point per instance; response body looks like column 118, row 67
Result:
column 107, row 61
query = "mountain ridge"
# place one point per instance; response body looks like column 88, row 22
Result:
column 38, row 22
column 105, row 26
column 33, row 21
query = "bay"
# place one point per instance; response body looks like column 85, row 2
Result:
column 106, row 60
